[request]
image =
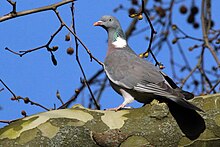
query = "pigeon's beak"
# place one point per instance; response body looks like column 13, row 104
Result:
column 98, row 23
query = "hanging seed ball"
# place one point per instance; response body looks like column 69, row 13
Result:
column 196, row 25
column 77, row 91
column 70, row 51
column 67, row 37
column 142, row 55
column 174, row 27
column 174, row 40
column 183, row 9
column 194, row 10
column 54, row 48
column 26, row 100
column 134, row 2
column 23, row 113
column 161, row 66
column 140, row 16
column 160, row 11
column 131, row 11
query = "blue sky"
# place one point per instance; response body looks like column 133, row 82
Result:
column 35, row 76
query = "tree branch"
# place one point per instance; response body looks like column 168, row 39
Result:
column 32, row 11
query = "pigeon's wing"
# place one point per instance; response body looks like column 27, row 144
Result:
column 126, row 69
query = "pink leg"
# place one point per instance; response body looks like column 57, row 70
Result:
column 117, row 108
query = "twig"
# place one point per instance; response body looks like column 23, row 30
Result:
column 8, row 88
column 183, row 55
column 189, row 75
column 80, row 41
column 13, row 6
column 213, row 87
column 78, row 61
column 1, row 89
column 151, row 35
column 187, row 36
column 102, row 88
column 27, row 100
column 133, row 23
column 22, row 53
column 205, row 29
column 65, row 105
column 9, row 121
column 36, row 10
column 59, row 97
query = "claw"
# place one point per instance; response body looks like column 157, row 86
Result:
column 117, row 108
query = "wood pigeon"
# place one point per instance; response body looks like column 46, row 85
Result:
column 133, row 77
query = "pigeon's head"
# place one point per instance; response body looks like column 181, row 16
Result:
column 108, row 23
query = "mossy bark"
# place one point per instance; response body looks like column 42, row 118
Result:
column 151, row 125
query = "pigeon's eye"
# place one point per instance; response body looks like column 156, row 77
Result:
column 110, row 19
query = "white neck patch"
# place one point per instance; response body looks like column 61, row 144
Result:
column 120, row 42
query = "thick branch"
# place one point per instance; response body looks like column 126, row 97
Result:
column 151, row 125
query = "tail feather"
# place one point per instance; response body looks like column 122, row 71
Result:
column 189, row 121
column 184, row 103
column 187, row 94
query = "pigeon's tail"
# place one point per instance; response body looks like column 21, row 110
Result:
column 184, row 103
column 189, row 121
column 187, row 94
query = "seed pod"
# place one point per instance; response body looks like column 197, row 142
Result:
column 132, row 11
column 160, row 11
column 183, row 9
column 54, row 48
column 134, row 2
column 140, row 17
column 67, row 37
column 194, row 10
column 77, row 91
column 161, row 66
column 70, row 51
column 174, row 27
column 24, row 113
column 196, row 25
column 26, row 100
column 53, row 59
column 174, row 40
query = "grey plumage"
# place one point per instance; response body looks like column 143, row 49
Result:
column 133, row 77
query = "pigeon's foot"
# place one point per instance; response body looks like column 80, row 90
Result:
column 117, row 108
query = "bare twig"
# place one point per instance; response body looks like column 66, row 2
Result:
column 65, row 105
column 132, row 25
column 77, row 58
column 213, row 87
column 205, row 28
column 187, row 36
column 27, row 100
column 1, row 89
column 9, row 121
column 47, row 45
column 151, row 35
column 8, row 88
column 36, row 10
column 13, row 4
column 188, row 76
column 59, row 97
column 78, row 61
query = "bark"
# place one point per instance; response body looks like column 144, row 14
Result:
column 151, row 125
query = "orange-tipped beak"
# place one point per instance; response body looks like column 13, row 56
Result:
column 98, row 23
